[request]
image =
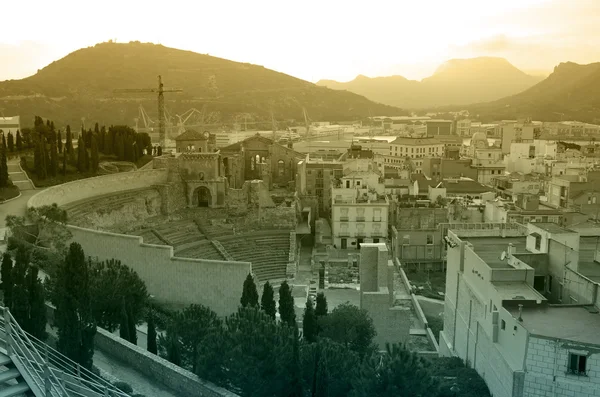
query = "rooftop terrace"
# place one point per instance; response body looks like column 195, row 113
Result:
column 562, row 322
column 489, row 249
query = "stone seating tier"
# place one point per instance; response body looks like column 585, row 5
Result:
column 202, row 249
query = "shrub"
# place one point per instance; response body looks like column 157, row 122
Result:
column 124, row 387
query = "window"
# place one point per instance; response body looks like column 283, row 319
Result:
column 375, row 240
column 280, row 167
column 503, row 325
column 577, row 364
column 406, row 239
column 594, row 200
column 549, row 284
column 430, row 239
column 538, row 242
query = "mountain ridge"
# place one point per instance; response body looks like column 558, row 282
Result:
column 455, row 82
column 571, row 91
column 81, row 84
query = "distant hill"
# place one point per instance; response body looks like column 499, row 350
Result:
column 456, row 82
column 571, row 92
column 81, row 85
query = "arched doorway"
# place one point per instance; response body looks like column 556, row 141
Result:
column 202, row 196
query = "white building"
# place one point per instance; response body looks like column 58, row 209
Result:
column 10, row 124
column 403, row 148
column 359, row 210
column 521, row 308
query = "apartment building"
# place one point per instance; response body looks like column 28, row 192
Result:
column 575, row 192
column 439, row 127
column 359, row 213
column 518, row 132
column 521, row 308
column 315, row 179
column 525, row 209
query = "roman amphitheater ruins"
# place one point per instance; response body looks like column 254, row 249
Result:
column 193, row 224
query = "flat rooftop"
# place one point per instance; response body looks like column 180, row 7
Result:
column 490, row 248
column 552, row 228
column 587, row 251
column 562, row 322
column 517, row 290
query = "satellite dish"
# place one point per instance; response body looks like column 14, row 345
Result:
column 503, row 255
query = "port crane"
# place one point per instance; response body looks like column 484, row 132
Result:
column 160, row 90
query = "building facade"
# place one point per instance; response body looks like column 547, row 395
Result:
column 359, row 215
column 439, row 127
column 10, row 124
column 315, row 178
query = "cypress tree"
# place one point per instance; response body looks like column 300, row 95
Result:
column 76, row 327
column 321, row 309
column 46, row 151
column 81, row 166
column 249, row 293
column 286, row 304
column 36, row 159
column 43, row 164
column 159, row 151
column 131, row 324
column 11, row 142
column 53, row 159
column 69, row 140
column 267, row 300
column 4, row 181
column 309, row 322
column 20, row 296
column 37, row 305
column 64, row 164
column 151, row 338
column 124, row 324
column 19, row 141
column 120, row 148
column 101, row 139
column 94, row 158
column 59, row 143
column 96, row 129
column 7, row 281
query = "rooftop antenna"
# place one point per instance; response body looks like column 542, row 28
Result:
column 503, row 256
column 520, row 313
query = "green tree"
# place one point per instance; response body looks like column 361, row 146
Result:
column 124, row 324
column 20, row 297
column 400, row 372
column 69, row 140
column 42, row 228
column 11, row 142
column 191, row 326
column 132, row 324
column 151, row 337
column 286, row 304
column 328, row 368
column 94, row 157
column 252, row 355
column 4, row 181
column 53, row 159
column 81, row 155
column 171, row 345
column 321, row 309
column 309, row 322
column 267, row 301
column 59, row 142
column 37, row 304
column 351, row 326
column 120, row 148
column 43, row 164
column 249, row 293
column 7, row 281
column 19, row 140
column 73, row 315
column 111, row 284
column 64, row 162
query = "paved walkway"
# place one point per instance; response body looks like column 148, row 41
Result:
column 17, row 206
column 139, row 382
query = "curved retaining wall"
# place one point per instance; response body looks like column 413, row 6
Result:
column 172, row 280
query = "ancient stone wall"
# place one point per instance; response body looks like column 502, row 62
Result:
column 157, row 368
column 172, row 280
column 118, row 210
column 83, row 189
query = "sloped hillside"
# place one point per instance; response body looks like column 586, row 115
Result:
column 82, row 83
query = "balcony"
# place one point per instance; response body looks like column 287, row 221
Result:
column 376, row 219
column 344, row 234
column 344, row 219
column 360, row 219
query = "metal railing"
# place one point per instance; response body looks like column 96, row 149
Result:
column 53, row 374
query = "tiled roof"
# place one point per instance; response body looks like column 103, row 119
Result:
column 191, row 135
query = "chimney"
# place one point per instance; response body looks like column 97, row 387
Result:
column 520, row 313
column 511, row 249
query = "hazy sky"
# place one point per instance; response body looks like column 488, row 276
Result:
column 311, row 39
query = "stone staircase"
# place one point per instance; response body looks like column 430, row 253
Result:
column 19, row 177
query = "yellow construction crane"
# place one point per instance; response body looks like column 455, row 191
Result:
column 161, row 104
